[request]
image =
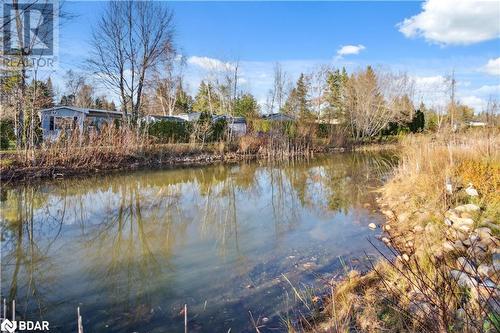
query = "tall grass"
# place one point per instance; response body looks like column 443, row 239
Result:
column 412, row 289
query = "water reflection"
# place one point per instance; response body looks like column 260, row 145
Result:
column 132, row 249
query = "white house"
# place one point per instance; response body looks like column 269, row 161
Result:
column 66, row 118
column 237, row 125
column 477, row 124
column 154, row 118
column 192, row 116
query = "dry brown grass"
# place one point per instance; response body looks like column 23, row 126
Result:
column 384, row 298
column 111, row 148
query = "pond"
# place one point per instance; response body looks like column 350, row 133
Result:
column 229, row 241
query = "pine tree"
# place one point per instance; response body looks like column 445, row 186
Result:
column 206, row 100
column 246, row 106
column 183, row 102
column 297, row 103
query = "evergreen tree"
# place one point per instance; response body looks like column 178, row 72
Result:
column 246, row 106
column 206, row 100
column 183, row 102
column 303, row 102
column 335, row 93
column 297, row 103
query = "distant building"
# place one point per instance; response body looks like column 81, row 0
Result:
column 333, row 121
column 192, row 116
column 237, row 125
column 60, row 119
column 477, row 124
column 278, row 117
column 154, row 118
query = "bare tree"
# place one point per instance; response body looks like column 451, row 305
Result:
column 74, row 82
column 166, row 84
column 451, row 82
column 318, row 88
column 130, row 40
column 372, row 101
column 278, row 93
column 222, row 86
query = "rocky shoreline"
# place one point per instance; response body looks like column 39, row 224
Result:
column 475, row 251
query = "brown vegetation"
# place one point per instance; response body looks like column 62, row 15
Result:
column 442, row 270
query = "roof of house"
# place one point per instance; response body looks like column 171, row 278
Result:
column 188, row 116
column 229, row 119
column 162, row 117
column 278, row 117
column 82, row 110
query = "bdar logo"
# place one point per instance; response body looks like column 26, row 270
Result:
column 8, row 326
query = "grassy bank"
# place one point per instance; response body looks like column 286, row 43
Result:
column 125, row 149
column 443, row 270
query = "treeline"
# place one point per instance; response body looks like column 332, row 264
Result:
column 145, row 74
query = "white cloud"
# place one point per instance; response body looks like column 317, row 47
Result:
column 493, row 66
column 458, row 22
column 432, row 90
column 478, row 104
column 426, row 82
column 487, row 90
column 209, row 63
column 350, row 49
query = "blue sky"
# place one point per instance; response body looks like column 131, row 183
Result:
column 438, row 37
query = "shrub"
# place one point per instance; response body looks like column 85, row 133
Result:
column 170, row 131
column 6, row 133
column 218, row 130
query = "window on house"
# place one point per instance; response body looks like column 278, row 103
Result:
column 51, row 123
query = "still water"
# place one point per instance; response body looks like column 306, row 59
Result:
column 131, row 249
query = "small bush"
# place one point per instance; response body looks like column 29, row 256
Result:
column 7, row 134
column 170, row 131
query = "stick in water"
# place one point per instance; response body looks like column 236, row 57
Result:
column 185, row 318
column 80, row 323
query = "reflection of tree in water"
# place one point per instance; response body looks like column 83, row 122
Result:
column 28, row 232
column 340, row 182
column 135, row 242
column 284, row 199
column 219, row 192
column 130, row 226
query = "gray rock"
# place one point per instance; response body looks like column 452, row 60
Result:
column 489, row 284
column 420, row 309
column 457, row 221
column 496, row 259
column 463, row 279
column 485, row 270
column 456, row 246
column 473, row 239
column 403, row 217
column 466, row 266
column 477, row 252
column 468, row 208
column 460, row 313
column 389, row 214
column 483, row 232
column 418, row 229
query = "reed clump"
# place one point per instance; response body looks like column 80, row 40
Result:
column 126, row 147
